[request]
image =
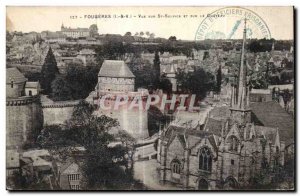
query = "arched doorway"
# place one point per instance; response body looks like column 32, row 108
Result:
column 230, row 183
column 203, row 185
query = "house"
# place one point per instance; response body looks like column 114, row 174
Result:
column 32, row 88
column 260, row 95
column 42, row 162
column 69, row 175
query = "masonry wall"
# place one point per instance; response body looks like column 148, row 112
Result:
column 57, row 114
column 22, row 119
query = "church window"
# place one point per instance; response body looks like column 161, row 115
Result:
column 205, row 159
column 233, row 141
column 11, row 84
column 176, row 167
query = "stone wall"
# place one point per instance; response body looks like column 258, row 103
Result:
column 57, row 114
column 23, row 117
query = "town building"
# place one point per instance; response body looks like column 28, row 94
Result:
column 226, row 153
column 75, row 32
column 115, row 80
column 69, row 176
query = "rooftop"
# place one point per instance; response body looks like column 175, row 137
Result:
column 32, row 85
column 13, row 74
column 115, row 69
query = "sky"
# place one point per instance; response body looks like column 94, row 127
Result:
column 279, row 20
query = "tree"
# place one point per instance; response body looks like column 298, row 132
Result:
column 49, row 71
column 219, row 79
column 127, row 34
column 156, row 67
column 172, row 38
column 60, row 89
column 198, row 82
column 77, row 83
column 165, row 85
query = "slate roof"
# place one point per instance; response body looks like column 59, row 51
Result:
column 13, row 74
column 271, row 114
column 32, row 85
column 115, row 69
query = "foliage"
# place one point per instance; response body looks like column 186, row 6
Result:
column 102, row 166
column 77, row 83
column 198, row 82
column 112, row 50
column 219, row 80
column 49, row 71
column 156, row 67
column 165, row 85
column 258, row 80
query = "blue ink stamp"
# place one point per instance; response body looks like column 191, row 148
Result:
column 226, row 23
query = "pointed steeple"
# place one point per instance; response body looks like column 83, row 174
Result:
column 242, row 82
column 240, row 108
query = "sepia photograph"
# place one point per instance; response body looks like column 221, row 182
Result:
column 150, row 98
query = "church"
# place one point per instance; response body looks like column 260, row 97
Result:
column 222, row 154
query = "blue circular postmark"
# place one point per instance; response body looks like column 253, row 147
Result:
column 227, row 23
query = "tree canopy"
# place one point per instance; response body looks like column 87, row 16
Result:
column 49, row 71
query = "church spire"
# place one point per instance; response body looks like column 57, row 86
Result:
column 242, row 90
column 240, row 109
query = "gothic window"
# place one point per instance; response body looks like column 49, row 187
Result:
column 176, row 167
column 276, row 158
column 233, row 141
column 205, row 159
column 30, row 93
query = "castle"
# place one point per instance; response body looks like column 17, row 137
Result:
column 75, row 33
column 23, row 109
column 223, row 154
column 115, row 79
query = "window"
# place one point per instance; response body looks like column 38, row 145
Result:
column 232, row 162
column 176, row 167
column 73, row 177
column 234, row 142
column 205, row 159
column 30, row 93
column 11, row 84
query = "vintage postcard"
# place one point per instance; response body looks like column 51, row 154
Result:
column 150, row 98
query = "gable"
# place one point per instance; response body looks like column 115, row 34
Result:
column 71, row 169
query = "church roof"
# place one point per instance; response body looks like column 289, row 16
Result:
column 115, row 69
column 271, row 114
column 13, row 74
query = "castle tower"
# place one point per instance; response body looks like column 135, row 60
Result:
column 240, row 109
column 115, row 80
